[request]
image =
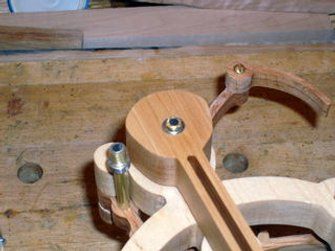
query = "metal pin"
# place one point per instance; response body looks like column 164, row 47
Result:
column 118, row 164
column 239, row 68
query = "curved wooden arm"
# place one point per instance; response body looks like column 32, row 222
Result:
column 240, row 80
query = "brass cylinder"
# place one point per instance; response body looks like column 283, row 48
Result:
column 118, row 164
column 121, row 183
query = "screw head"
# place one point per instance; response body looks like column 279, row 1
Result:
column 173, row 125
column 239, row 68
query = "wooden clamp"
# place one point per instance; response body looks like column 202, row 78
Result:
column 181, row 159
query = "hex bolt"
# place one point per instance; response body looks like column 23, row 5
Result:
column 118, row 164
column 173, row 125
column 239, row 68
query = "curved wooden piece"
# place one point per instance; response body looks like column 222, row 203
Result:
column 181, row 161
column 238, row 86
column 292, row 84
column 235, row 94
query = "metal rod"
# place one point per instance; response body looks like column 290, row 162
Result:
column 118, row 164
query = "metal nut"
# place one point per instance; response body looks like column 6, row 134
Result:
column 173, row 125
column 118, row 159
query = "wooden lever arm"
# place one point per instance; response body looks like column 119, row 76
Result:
column 212, row 206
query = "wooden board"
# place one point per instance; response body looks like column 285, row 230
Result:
column 25, row 38
column 312, row 6
column 178, row 26
column 58, row 123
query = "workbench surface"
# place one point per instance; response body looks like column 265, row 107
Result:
column 58, row 107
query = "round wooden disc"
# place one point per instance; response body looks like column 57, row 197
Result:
column 154, row 151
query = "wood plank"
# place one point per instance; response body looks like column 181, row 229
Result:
column 206, row 51
column 178, row 26
column 311, row 6
column 25, row 38
column 60, row 124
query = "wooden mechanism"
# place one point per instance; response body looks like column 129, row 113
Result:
column 169, row 143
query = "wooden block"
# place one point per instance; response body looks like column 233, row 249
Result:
column 26, row 38
column 180, row 26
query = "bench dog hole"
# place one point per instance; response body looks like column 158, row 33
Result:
column 30, row 173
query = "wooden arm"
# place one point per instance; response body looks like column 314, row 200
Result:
column 240, row 78
column 212, row 206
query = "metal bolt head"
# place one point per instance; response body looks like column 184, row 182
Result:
column 173, row 125
column 118, row 160
column 239, row 68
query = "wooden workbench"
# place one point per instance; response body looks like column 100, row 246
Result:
column 58, row 107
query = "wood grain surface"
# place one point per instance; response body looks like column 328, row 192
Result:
column 312, row 6
column 58, row 107
column 25, row 38
column 179, row 26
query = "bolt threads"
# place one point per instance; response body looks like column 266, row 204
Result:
column 118, row 164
